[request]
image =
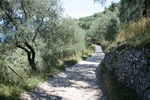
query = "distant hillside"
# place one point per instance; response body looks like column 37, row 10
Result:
column 123, row 22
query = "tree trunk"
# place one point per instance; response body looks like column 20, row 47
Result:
column 31, row 60
column 146, row 8
column 30, row 53
column 31, row 57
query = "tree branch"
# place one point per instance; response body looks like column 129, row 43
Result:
column 22, row 5
column 32, row 50
column 21, row 47
column 14, row 71
column 30, row 47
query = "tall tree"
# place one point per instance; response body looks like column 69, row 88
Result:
column 100, row 1
column 145, row 4
column 25, row 20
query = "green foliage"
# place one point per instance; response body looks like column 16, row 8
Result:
column 120, row 23
column 106, row 27
column 56, row 42
column 86, row 22
column 131, row 10
column 9, row 92
column 63, row 42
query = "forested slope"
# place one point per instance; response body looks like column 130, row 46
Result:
column 123, row 30
column 36, row 42
column 123, row 22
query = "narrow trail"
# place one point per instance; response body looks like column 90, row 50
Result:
column 79, row 82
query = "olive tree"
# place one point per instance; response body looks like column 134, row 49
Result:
column 25, row 20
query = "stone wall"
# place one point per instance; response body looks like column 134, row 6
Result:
column 132, row 67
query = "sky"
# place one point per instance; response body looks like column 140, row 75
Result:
column 82, row 8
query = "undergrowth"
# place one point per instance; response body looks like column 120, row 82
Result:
column 10, row 90
column 135, row 33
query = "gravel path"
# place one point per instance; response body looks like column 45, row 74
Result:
column 79, row 82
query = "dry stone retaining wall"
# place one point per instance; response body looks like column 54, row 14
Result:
column 132, row 67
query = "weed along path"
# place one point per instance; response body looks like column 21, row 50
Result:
column 79, row 82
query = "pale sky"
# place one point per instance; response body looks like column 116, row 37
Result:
column 82, row 8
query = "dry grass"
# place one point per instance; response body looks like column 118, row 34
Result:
column 135, row 32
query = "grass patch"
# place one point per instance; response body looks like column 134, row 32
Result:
column 115, row 90
column 135, row 33
column 12, row 91
column 31, row 83
column 9, row 92
column 70, row 62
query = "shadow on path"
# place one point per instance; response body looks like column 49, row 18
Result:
column 79, row 82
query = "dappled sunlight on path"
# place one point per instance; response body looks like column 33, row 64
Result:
column 79, row 82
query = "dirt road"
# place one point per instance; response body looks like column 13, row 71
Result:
column 79, row 82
